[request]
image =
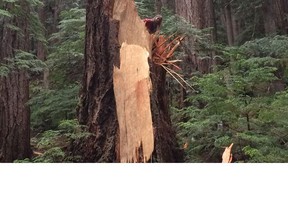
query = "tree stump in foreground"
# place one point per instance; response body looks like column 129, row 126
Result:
column 124, row 109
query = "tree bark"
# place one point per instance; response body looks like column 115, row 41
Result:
column 14, row 93
column 98, row 110
column 14, row 117
column 199, row 13
column 166, row 147
column 269, row 20
column 41, row 48
column 170, row 4
column 275, row 16
column 158, row 5
column 229, row 24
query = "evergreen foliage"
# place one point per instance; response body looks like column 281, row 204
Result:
column 66, row 58
column 237, row 103
column 49, row 107
column 53, row 144
column 22, row 60
column 53, row 110
column 65, row 63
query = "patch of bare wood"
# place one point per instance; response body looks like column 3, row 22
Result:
column 227, row 155
column 132, row 85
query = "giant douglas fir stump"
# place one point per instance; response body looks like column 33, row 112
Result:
column 118, row 103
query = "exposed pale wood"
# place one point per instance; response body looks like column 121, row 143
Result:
column 36, row 153
column 227, row 155
column 111, row 25
column 132, row 85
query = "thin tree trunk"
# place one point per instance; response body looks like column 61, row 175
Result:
column 229, row 24
column 170, row 4
column 41, row 49
column 56, row 12
column 158, row 5
column 269, row 18
column 236, row 28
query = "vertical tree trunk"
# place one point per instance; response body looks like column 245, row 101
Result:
column 275, row 16
column 97, row 107
column 166, row 149
column 199, row 13
column 281, row 11
column 41, row 49
column 97, row 101
column 14, row 117
column 170, row 4
column 14, row 94
column 236, row 27
column 158, row 5
column 269, row 18
column 229, row 24
column 56, row 12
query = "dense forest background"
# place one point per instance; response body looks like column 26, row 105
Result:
column 234, row 58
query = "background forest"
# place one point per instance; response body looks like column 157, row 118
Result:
column 234, row 57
